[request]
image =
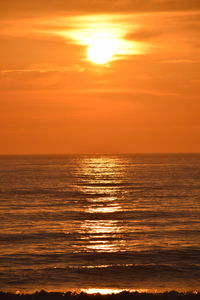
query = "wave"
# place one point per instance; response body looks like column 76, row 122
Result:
column 178, row 257
column 145, row 276
column 79, row 237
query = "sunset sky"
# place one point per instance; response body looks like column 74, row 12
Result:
column 55, row 99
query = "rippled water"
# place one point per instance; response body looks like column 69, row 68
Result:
column 100, row 221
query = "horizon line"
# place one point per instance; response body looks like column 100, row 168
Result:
column 92, row 153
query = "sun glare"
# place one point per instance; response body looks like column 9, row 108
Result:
column 101, row 49
column 105, row 38
column 101, row 291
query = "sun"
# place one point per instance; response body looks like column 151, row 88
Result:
column 101, row 49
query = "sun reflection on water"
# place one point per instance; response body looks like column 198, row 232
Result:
column 102, row 209
column 101, row 226
column 107, row 219
column 101, row 291
column 107, row 291
column 101, row 181
column 102, row 235
column 101, row 178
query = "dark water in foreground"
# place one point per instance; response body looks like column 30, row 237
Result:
column 100, row 221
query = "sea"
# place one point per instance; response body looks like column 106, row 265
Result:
column 100, row 223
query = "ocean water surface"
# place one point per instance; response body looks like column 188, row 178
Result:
column 100, row 222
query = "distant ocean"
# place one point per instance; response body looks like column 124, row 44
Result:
column 73, row 222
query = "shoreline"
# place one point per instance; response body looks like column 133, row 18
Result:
column 124, row 295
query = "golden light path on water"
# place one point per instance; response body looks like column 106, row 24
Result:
column 102, row 176
column 106, row 228
column 106, row 225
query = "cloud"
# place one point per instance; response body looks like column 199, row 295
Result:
column 144, row 34
column 26, row 8
column 129, row 92
column 180, row 61
column 45, row 68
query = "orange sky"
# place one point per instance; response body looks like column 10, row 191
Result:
column 54, row 100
